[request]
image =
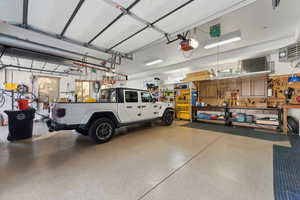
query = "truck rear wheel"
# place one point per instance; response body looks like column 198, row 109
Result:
column 102, row 130
column 168, row 118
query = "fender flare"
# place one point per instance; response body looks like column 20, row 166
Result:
column 107, row 114
column 169, row 109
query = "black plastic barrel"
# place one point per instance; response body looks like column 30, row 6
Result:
column 20, row 124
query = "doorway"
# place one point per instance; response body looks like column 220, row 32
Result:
column 48, row 89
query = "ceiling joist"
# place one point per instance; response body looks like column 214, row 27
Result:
column 28, row 69
column 72, row 17
column 25, row 13
column 115, row 20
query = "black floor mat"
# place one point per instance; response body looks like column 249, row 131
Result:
column 286, row 171
column 241, row 131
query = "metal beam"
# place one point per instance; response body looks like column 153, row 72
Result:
column 72, row 17
column 114, row 21
column 77, row 43
column 34, row 69
column 131, row 36
column 2, row 52
column 134, row 16
column 152, row 25
column 31, row 66
column 105, row 28
column 173, row 11
column 54, row 48
column 56, row 68
column 25, row 13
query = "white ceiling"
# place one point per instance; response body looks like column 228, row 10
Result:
column 258, row 22
column 52, row 15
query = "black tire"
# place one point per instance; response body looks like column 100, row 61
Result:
column 168, row 118
column 82, row 131
column 102, row 130
column 293, row 125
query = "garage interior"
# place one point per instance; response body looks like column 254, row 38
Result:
column 228, row 72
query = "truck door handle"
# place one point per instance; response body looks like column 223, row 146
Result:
column 139, row 106
column 140, row 114
column 155, row 106
column 144, row 106
column 129, row 107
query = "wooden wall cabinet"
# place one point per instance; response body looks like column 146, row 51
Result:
column 254, row 87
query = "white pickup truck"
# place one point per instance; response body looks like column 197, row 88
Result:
column 117, row 107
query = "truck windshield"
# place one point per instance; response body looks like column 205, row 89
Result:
column 108, row 96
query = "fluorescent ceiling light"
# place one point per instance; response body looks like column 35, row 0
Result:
column 224, row 39
column 154, row 62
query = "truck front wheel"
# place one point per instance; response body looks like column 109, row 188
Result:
column 102, row 130
column 168, row 118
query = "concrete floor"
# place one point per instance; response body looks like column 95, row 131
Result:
column 149, row 163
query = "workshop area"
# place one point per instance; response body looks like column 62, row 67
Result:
column 149, row 100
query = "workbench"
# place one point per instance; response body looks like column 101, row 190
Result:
column 235, row 123
column 285, row 115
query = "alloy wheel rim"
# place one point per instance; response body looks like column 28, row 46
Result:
column 104, row 131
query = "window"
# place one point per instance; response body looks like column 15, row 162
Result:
column 108, row 96
column 131, row 96
column 146, row 97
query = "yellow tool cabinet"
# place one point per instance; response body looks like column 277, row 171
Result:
column 183, row 104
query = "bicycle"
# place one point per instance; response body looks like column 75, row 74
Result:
column 20, row 93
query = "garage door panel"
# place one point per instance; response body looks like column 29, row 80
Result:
column 11, row 10
column 123, row 28
column 38, row 65
column 140, row 40
column 194, row 13
column 93, row 16
column 50, row 66
column 50, row 16
column 25, row 62
column 151, row 10
column 62, row 68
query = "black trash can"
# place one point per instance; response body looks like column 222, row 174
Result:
column 20, row 124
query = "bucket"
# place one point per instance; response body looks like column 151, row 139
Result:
column 23, row 104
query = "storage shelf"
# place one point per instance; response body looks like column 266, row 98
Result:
column 241, row 108
column 211, row 121
column 254, row 125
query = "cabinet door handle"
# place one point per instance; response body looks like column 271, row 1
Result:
column 129, row 107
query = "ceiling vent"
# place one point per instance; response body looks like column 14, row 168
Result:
column 290, row 53
column 255, row 65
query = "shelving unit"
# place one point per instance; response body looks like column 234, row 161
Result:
column 272, row 111
column 183, row 104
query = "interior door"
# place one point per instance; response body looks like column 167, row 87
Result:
column 130, row 110
column 149, row 109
